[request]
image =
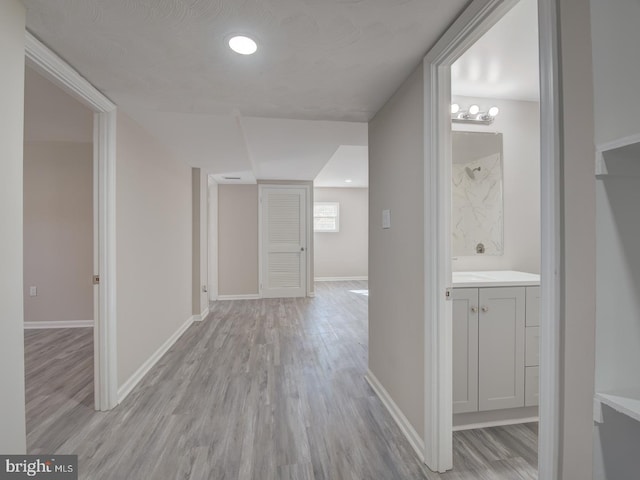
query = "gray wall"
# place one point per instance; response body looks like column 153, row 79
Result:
column 578, row 226
column 519, row 123
column 154, row 255
column 58, row 231
column 238, row 239
column 212, row 237
column 12, row 420
column 396, row 255
column 345, row 253
column 616, row 68
column 199, row 237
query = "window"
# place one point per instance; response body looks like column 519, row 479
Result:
column 326, row 217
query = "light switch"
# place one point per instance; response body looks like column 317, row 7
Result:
column 386, row 219
column 33, row 291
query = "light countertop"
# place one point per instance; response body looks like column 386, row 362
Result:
column 502, row 278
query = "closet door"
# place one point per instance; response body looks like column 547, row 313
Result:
column 465, row 350
column 501, row 347
column 283, row 225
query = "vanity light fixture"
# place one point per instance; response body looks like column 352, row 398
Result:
column 243, row 45
column 473, row 115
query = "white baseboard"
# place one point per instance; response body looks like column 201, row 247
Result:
column 250, row 296
column 202, row 316
column 405, row 426
column 497, row 423
column 311, row 294
column 59, row 324
column 340, row 279
column 126, row 388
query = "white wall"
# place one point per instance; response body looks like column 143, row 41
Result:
column 578, row 226
column 154, row 257
column 213, row 239
column 12, row 419
column 615, row 40
column 519, row 123
column 396, row 255
column 199, row 234
column 58, row 231
column 238, row 239
column 344, row 253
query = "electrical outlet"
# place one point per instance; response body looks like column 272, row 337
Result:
column 33, row 291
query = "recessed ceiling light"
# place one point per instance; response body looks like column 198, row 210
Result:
column 243, row 45
column 348, row 180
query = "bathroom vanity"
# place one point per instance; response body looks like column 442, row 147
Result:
column 496, row 317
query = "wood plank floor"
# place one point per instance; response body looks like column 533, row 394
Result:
column 262, row 389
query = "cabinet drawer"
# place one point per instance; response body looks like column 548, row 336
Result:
column 533, row 306
column 532, row 386
column 532, row 347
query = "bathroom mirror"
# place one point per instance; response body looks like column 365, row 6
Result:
column 477, row 204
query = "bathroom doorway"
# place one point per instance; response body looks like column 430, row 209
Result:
column 495, row 245
column 507, row 185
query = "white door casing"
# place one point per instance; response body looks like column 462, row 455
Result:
column 474, row 21
column 50, row 66
column 283, row 246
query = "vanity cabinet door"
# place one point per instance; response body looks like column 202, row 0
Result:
column 501, row 347
column 465, row 350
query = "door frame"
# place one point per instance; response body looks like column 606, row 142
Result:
column 476, row 20
column 308, row 232
column 52, row 67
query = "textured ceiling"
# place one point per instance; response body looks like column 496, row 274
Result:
column 322, row 70
column 503, row 63
column 317, row 59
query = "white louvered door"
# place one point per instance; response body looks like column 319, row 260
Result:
column 284, row 255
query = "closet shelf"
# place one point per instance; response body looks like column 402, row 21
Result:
column 626, row 402
column 619, row 158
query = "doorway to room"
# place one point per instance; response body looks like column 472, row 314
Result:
column 484, row 392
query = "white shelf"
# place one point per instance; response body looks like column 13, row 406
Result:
column 619, row 158
column 626, row 402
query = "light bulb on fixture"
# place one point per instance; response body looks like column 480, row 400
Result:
column 243, row 45
column 455, row 108
column 493, row 111
column 474, row 110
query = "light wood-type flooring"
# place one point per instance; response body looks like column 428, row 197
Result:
column 261, row 389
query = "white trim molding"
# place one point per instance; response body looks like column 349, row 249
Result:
column 476, row 20
column 341, row 279
column 249, row 296
column 202, row 316
column 58, row 324
column 131, row 383
column 495, row 423
column 45, row 61
column 407, row 429
column 55, row 69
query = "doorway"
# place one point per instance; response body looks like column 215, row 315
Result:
column 476, row 20
column 57, row 71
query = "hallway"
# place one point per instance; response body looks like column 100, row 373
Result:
column 262, row 389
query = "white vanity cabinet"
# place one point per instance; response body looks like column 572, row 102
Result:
column 495, row 347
